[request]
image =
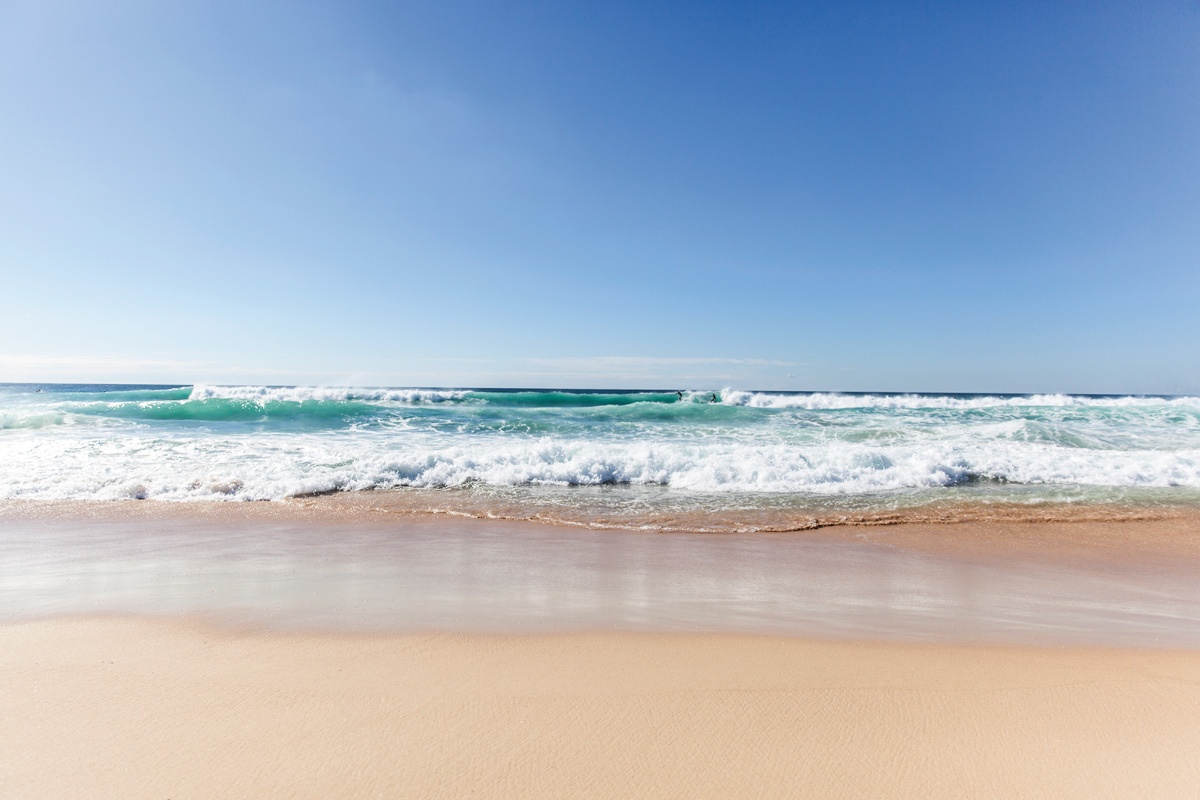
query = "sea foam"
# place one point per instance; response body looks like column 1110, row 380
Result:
column 232, row 467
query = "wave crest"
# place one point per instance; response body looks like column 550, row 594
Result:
column 818, row 401
column 299, row 394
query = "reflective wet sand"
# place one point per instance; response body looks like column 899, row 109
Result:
column 274, row 566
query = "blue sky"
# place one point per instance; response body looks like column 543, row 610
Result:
column 901, row 196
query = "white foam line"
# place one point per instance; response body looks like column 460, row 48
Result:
column 299, row 394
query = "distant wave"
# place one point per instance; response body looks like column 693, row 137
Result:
column 824, row 400
column 301, row 394
column 528, row 398
column 264, row 396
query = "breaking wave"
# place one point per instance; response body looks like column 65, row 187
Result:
column 822, row 400
column 271, row 442
column 233, row 467
column 301, row 394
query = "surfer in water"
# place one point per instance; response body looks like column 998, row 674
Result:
column 713, row 399
column 680, row 396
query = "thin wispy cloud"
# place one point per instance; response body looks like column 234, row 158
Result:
column 651, row 362
column 34, row 368
column 58, row 365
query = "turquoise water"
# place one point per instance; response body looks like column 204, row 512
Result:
column 625, row 456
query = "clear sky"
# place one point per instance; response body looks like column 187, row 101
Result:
column 856, row 196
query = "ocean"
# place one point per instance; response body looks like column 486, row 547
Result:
column 692, row 460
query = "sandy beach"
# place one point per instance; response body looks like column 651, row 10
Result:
column 303, row 650
column 137, row 708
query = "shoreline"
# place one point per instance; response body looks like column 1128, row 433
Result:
column 529, row 505
column 151, row 708
column 326, row 567
column 1104, row 533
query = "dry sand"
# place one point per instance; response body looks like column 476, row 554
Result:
column 138, row 708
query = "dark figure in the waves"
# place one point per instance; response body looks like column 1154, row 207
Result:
column 680, row 395
column 713, row 399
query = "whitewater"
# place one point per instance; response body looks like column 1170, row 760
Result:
column 597, row 455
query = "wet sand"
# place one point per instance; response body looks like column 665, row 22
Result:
column 313, row 566
column 297, row 650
